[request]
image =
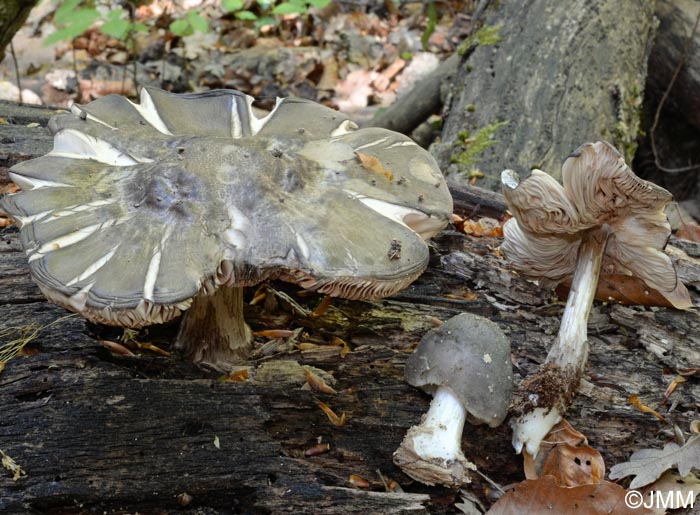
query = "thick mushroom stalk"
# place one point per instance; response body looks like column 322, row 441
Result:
column 465, row 364
column 213, row 329
column 603, row 215
column 144, row 211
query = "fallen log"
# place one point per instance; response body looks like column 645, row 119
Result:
column 99, row 431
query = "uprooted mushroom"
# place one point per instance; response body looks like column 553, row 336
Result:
column 604, row 215
column 465, row 365
column 142, row 211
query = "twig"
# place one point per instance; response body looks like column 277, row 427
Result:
column 14, row 60
column 75, row 71
column 664, row 97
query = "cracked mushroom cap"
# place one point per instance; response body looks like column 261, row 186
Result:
column 598, row 189
column 139, row 207
column 470, row 355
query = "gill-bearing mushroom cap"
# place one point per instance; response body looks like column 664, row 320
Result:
column 465, row 365
column 598, row 189
column 139, row 208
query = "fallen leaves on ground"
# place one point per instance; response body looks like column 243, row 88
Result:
column 622, row 289
column 482, row 227
column 566, row 477
column 647, row 465
column 634, row 400
column 544, row 497
column 338, row 421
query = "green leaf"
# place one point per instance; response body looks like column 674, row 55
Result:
column 64, row 13
column 289, row 8
column 117, row 28
column 231, row 5
column 267, row 20
column 246, row 15
column 318, row 4
column 81, row 20
column 198, row 22
column 181, row 28
column 140, row 27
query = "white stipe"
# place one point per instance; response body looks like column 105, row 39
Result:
column 148, row 111
column 403, row 144
column 345, row 127
column 77, row 111
column 372, row 144
column 31, row 183
column 256, row 124
column 94, row 267
column 74, row 144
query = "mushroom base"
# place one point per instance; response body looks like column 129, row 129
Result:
column 213, row 330
column 430, row 471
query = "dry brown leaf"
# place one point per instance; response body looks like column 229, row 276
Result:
column 562, row 433
column 335, row 341
column 316, row 383
column 689, row 231
column 543, row 497
column 117, row 348
column 322, row 306
column 623, row 289
column 274, row 333
column 672, row 388
column 318, row 449
column 634, row 400
column 574, row 465
column 373, row 164
column 358, row 481
column 237, row 376
column 649, row 464
column 336, row 420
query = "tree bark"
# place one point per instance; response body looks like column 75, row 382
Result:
column 13, row 14
column 563, row 73
column 105, row 432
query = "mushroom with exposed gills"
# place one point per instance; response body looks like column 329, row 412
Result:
column 143, row 211
column 465, row 364
column 603, row 213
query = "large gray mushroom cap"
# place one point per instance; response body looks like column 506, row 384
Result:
column 470, row 355
column 139, row 207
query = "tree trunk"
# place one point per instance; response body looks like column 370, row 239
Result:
column 563, row 73
column 105, row 432
column 13, row 14
column 678, row 127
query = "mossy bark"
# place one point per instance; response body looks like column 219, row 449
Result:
column 562, row 74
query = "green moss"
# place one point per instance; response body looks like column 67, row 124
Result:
column 471, row 108
column 625, row 133
column 474, row 144
column 486, row 35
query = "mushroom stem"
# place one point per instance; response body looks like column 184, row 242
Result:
column 439, row 435
column 550, row 391
column 213, row 329
column 570, row 349
column 431, row 452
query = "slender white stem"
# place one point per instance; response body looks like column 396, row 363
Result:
column 570, row 349
column 440, row 434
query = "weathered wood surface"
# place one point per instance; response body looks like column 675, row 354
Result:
column 97, row 432
column 562, row 74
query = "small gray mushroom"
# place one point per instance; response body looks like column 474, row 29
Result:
column 143, row 211
column 465, row 364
